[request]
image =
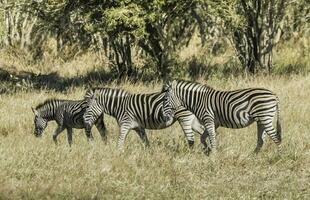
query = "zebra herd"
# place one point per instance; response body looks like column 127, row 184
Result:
column 197, row 107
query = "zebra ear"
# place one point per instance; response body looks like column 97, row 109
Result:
column 166, row 86
column 173, row 83
column 94, row 95
column 35, row 112
column 88, row 94
column 170, row 85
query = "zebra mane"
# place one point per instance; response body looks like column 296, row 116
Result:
column 49, row 101
column 92, row 91
column 193, row 83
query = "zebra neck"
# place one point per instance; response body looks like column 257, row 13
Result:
column 48, row 114
column 110, row 104
column 108, row 110
column 191, row 98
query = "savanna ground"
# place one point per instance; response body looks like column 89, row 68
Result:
column 36, row 168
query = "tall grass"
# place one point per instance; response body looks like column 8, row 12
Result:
column 292, row 57
column 36, row 168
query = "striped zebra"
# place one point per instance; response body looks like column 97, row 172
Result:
column 230, row 109
column 138, row 112
column 68, row 114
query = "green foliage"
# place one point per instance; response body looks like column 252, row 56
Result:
column 2, row 27
column 297, row 19
column 227, row 11
column 127, row 18
column 124, row 32
column 292, row 57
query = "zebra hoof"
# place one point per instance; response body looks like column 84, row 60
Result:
column 90, row 138
column 55, row 139
column 147, row 145
column 280, row 150
column 256, row 150
column 207, row 151
column 104, row 139
column 191, row 144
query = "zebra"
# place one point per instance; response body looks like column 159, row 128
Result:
column 68, row 114
column 138, row 112
column 230, row 109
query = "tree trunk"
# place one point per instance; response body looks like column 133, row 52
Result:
column 153, row 48
column 255, row 42
column 121, row 47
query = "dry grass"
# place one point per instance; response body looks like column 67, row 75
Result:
column 15, row 61
column 32, row 168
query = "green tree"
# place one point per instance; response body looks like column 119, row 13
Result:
column 169, row 25
column 157, row 27
column 20, row 28
column 255, row 27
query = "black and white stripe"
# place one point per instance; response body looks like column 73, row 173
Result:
column 68, row 114
column 230, row 109
column 137, row 112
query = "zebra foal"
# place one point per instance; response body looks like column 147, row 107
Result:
column 68, row 114
column 230, row 109
column 138, row 112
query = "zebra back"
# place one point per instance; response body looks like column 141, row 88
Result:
column 232, row 109
column 146, row 109
column 48, row 108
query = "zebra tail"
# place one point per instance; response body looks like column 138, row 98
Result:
column 279, row 128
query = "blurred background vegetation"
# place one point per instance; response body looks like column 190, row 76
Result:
column 57, row 48
column 151, row 40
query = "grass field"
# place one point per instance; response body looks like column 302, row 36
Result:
column 35, row 168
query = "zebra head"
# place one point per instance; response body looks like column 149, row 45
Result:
column 39, row 123
column 93, row 109
column 170, row 103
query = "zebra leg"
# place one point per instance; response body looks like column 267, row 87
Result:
column 272, row 133
column 189, row 134
column 69, row 135
column 143, row 136
column 88, row 132
column 122, row 136
column 203, row 138
column 210, row 131
column 58, row 130
column 197, row 127
column 101, row 128
column 187, row 129
column 260, row 137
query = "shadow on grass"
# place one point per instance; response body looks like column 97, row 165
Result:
column 12, row 82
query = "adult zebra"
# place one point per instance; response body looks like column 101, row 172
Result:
column 138, row 112
column 68, row 114
column 230, row 109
